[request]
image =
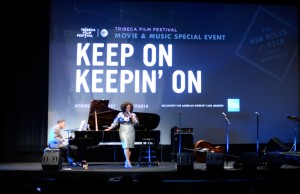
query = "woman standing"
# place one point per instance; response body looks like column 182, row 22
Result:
column 127, row 120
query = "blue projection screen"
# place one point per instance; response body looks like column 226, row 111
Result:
column 194, row 64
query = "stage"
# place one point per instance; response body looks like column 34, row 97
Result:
column 161, row 177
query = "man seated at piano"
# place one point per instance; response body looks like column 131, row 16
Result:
column 57, row 141
column 126, row 119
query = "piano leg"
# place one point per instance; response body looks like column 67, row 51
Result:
column 82, row 156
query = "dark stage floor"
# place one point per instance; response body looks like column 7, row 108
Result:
column 112, row 177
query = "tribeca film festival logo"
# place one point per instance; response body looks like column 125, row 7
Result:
column 86, row 32
column 156, row 33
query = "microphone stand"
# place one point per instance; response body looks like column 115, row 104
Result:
column 179, row 133
column 294, row 148
column 294, row 118
column 227, row 139
column 257, row 139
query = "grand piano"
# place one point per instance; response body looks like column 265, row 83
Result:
column 100, row 116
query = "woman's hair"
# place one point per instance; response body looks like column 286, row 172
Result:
column 124, row 104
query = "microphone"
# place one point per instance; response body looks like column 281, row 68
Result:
column 257, row 113
column 292, row 118
column 224, row 114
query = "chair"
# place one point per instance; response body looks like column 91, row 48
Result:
column 147, row 154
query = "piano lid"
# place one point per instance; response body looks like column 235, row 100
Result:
column 100, row 115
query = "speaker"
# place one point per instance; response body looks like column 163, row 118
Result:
column 51, row 159
column 185, row 161
column 246, row 161
column 214, row 161
column 275, row 145
column 187, row 140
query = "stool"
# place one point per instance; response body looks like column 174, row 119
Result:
column 147, row 152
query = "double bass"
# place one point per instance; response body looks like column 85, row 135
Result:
column 201, row 148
